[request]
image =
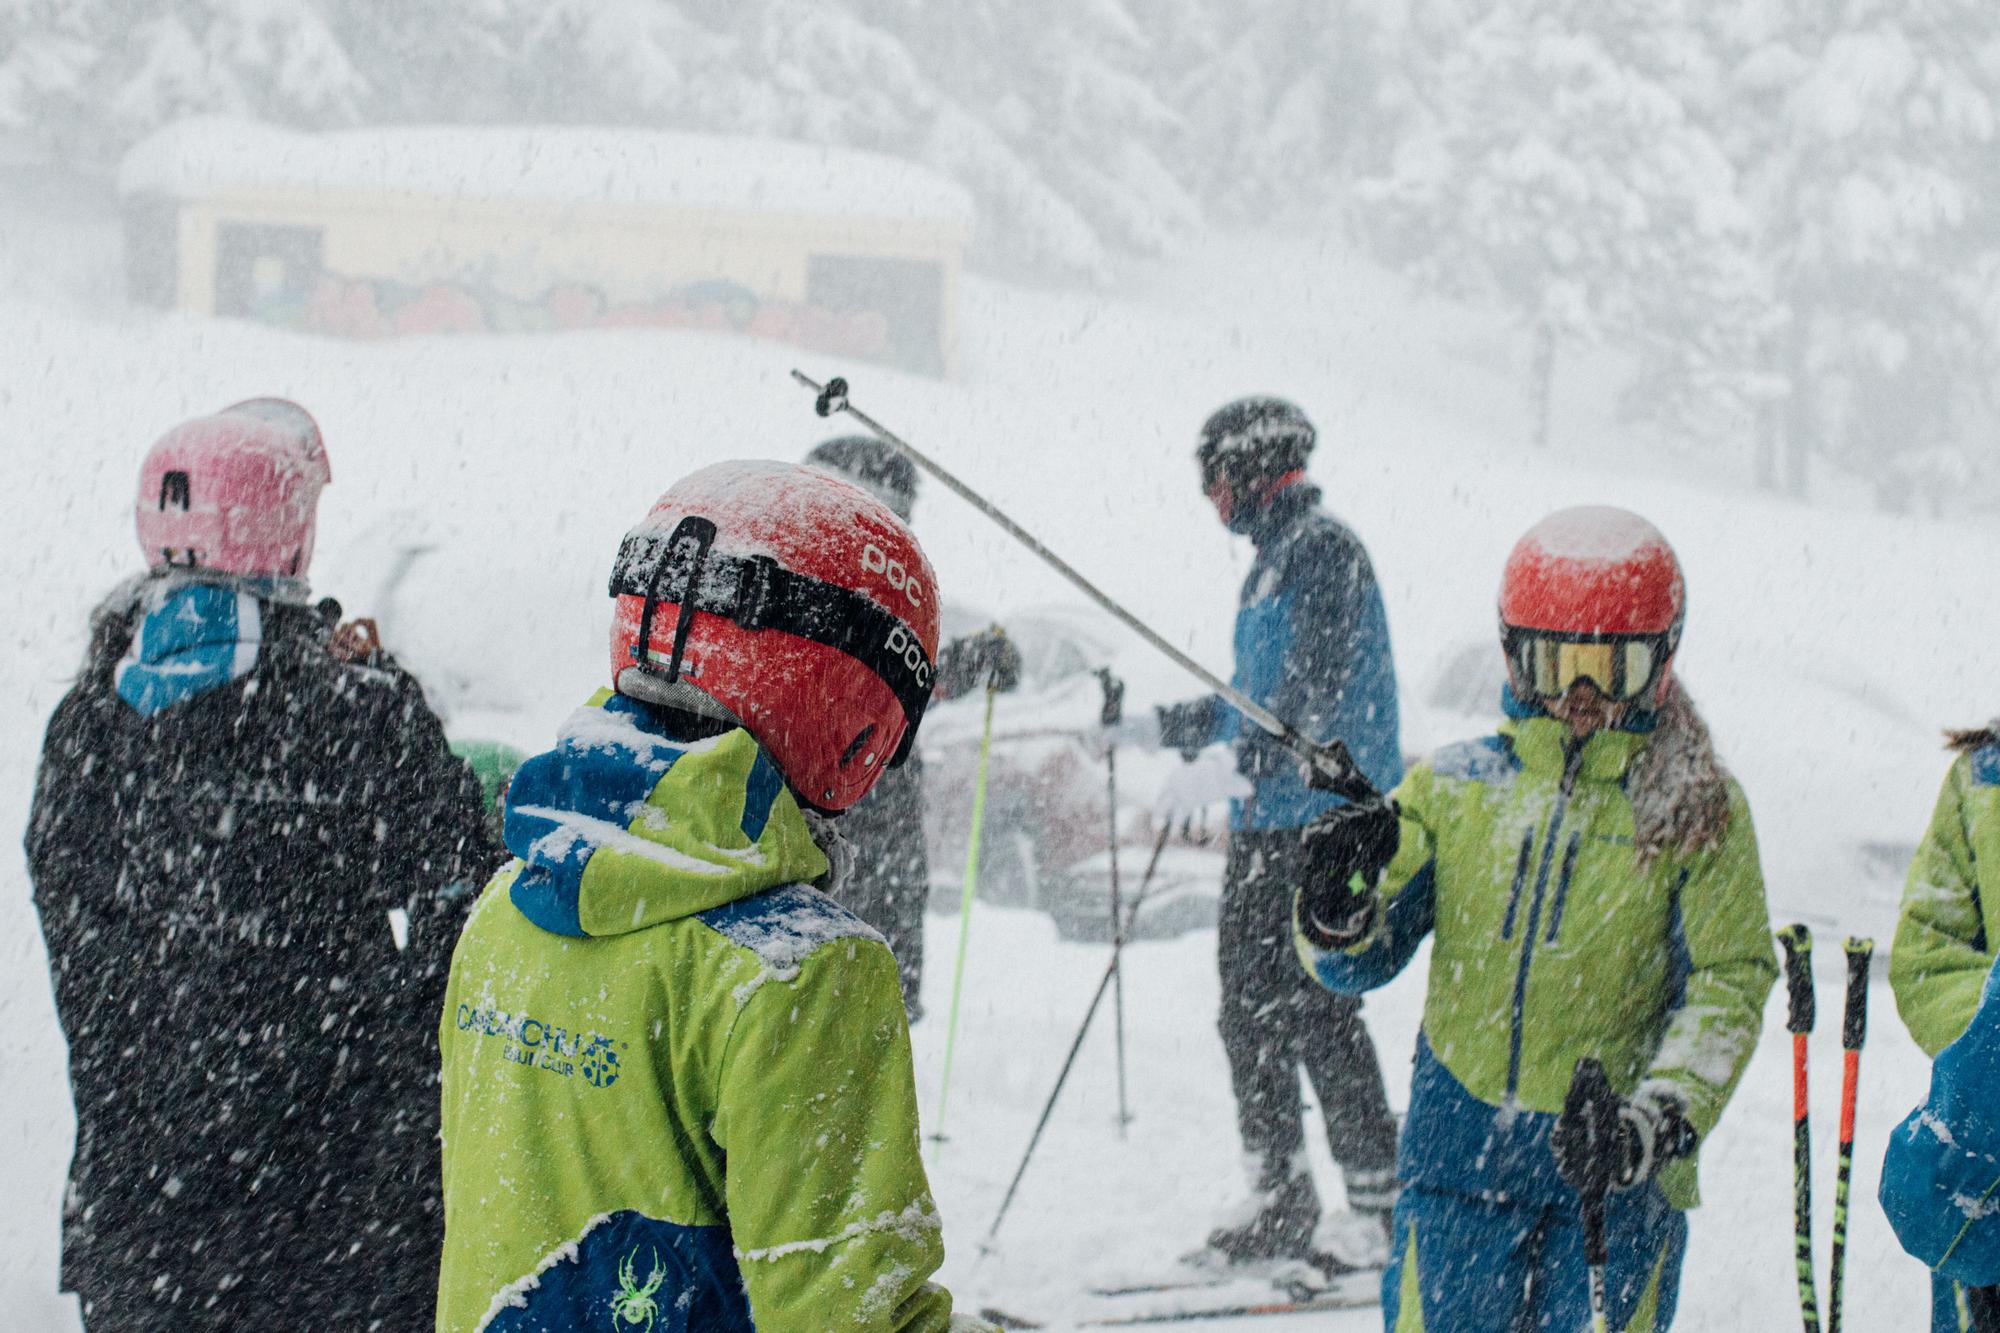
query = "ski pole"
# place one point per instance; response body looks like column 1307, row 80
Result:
column 1332, row 768
column 1592, row 1102
column 1853, row 1031
column 1800, row 1016
column 1112, row 712
column 1082, row 1031
column 965, row 901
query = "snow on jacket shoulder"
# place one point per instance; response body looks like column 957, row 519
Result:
column 1950, row 918
column 1941, row 1178
column 675, row 1077
column 1555, row 939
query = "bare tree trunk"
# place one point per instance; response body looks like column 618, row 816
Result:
column 1541, row 383
column 1799, row 415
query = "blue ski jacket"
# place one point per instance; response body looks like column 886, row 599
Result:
column 1941, row 1179
column 1312, row 645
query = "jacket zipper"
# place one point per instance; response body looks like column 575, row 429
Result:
column 1562, row 885
column 1572, row 764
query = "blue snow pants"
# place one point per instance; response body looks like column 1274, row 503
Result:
column 1956, row 1309
column 1465, row 1265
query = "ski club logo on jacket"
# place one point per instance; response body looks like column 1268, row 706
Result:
column 550, row 1047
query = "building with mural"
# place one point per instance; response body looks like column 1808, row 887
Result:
column 426, row 230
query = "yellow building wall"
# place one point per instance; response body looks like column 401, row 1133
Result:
column 522, row 248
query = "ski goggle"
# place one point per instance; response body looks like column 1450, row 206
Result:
column 1623, row 667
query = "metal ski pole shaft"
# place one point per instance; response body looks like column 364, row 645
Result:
column 1333, row 768
column 1801, row 1013
column 1111, row 714
column 1082, row 1031
column 1853, row 1031
column 1596, row 1254
column 965, row 903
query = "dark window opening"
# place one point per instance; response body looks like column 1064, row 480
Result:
column 264, row 272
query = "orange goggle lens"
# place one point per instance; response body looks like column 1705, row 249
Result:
column 1549, row 665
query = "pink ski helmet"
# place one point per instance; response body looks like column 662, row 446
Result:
column 237, row 492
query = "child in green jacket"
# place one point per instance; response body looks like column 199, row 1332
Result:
column 1945, row 945
column 1589, row 880
column 677, row 1082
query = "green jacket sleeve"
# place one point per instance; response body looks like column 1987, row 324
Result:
column 816, row 1109
column 1941, row 954
column 1726, row 928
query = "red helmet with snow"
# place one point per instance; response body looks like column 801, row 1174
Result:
column 237, row 492
column 798, row 602
column 1593, row 593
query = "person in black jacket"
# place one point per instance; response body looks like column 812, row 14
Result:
column 244, row 832
column 891, row 881
column 1312, row 645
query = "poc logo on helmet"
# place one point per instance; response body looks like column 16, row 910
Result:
column 912, row 653
column 875, row 560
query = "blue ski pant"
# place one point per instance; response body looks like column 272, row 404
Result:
column 1958, row 1309
column 1468, row 1265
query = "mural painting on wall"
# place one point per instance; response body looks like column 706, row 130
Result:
column 366, row 307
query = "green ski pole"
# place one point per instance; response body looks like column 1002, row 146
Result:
column 965, row 903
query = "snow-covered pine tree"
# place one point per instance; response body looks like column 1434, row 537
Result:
column 1282, row 102
column 1552, row 166
column 45, row 61
column 1866, row 133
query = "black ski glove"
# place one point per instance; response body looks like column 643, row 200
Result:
column 1603, row 1142
column 970, row 664
column 1345, row 852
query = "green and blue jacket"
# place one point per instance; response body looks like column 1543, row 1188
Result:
column 1949, row 925
column 1554, row 940
column 677, row 1084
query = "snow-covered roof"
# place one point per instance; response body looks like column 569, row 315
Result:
column 210, row 155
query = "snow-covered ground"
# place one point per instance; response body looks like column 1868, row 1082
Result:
column 1826, row 645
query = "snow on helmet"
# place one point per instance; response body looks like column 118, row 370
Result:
column 237, row 492
column 813, row 618
column 1247, row 449
column 1592, row 593
column 872, row 465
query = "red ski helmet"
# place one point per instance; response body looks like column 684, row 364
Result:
column 237, row 492
column 1592, row 593
column 813, row 619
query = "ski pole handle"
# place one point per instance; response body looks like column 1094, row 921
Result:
column 1113, row 711
column 1854, row 1021
column 1800, row 1012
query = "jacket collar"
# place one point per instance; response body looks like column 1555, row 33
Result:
column 1282, row 513
column 1543, row 746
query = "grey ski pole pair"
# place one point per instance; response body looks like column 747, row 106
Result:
column 1800, row 1016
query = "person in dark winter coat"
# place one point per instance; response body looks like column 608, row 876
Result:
column 240, row 846
column 1312, row 645
column 891, row 882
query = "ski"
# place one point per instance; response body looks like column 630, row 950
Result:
column 1325, row 1301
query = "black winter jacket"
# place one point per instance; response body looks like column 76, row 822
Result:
column 252, row 1054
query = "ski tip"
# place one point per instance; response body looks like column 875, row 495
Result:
column 1860, row 946
column 1797, row 937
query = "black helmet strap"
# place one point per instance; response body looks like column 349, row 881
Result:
column 758, row 593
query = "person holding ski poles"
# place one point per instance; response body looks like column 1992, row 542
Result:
column 1589, row 879
column 245, row 828
column 1940, row 968
column 677, row 1078
column 1312, row 645
column 891, row 882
